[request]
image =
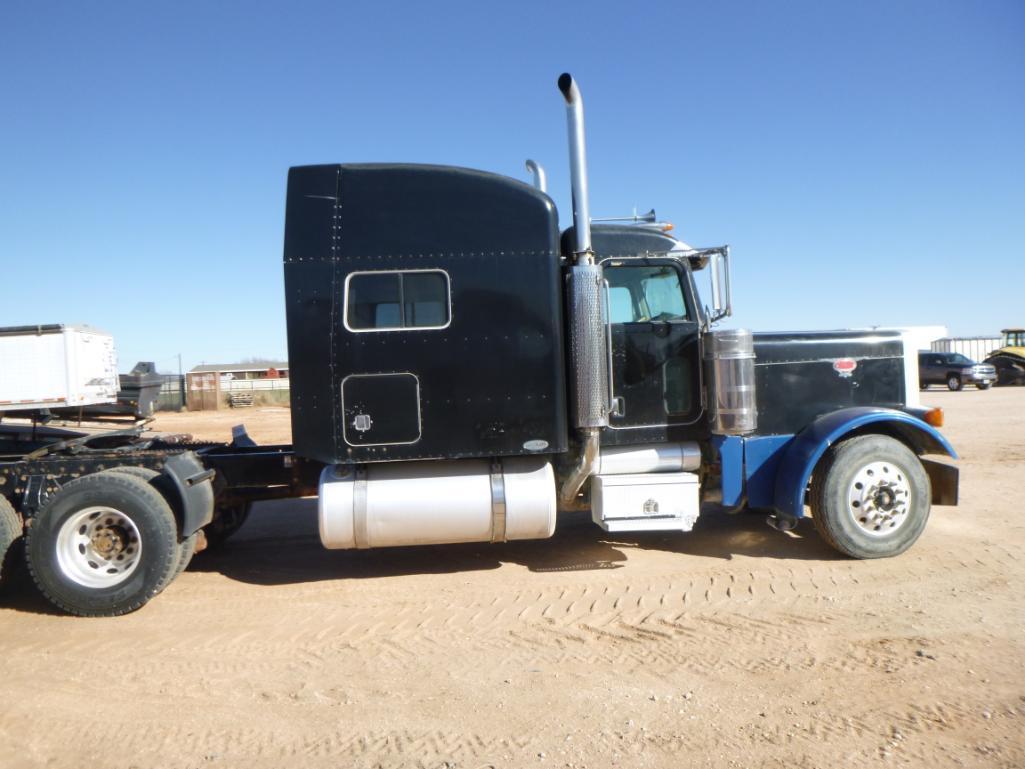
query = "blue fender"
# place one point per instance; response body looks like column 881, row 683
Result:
column 811, row 443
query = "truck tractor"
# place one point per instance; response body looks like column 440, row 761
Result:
column 462, row 371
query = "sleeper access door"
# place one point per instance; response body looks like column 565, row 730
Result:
column 656, row 355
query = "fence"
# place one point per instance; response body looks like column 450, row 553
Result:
column 974, row 347
column 267, row 391
column 172, row 393
column 247, row 385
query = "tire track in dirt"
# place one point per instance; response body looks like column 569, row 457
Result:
column 672, row 622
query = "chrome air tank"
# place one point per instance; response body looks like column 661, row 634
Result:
column 436, row 502
column 652, row 458
column 730, row 361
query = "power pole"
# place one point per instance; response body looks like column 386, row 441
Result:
column 181, row 383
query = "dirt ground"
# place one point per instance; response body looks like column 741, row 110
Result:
column 270, row 424
column 731, row 646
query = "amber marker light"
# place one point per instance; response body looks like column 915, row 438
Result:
column 934, row 417
column 667, row 226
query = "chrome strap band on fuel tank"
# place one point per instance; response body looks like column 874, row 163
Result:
column 359, row 509
column 497, row 502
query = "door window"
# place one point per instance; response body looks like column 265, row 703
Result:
column 644, row 293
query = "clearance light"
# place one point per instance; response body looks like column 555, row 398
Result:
column 666, row 226
column 934, row 417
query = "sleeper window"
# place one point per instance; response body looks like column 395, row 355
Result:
column 387, row 301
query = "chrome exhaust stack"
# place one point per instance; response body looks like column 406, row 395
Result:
column 578, row 167
column 586, row 302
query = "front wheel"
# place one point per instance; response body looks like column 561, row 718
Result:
column 870, row 497
column 954, row 382
column 984, row 385
column 103, row 545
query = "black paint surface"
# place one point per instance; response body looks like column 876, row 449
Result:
column 489, row 382
column 798, row 379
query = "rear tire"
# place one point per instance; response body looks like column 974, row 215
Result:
column 187, row 547
column 954, row 382
column 10, row 533
column 103, row 545
column 870, row 497
column 226, row 523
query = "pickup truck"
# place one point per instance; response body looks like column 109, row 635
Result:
column 954, row 370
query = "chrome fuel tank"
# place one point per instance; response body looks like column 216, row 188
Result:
column 437, row 502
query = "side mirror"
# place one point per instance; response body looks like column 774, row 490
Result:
column 722, row 303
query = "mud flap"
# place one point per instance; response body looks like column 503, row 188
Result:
column 195, row 490
column 944, row 481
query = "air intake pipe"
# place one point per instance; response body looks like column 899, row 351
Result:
column 588, row 348
column 538, row 172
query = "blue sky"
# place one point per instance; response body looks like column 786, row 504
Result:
column 866, row 161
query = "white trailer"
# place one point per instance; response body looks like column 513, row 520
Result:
column 56, row 366
column 977, row 348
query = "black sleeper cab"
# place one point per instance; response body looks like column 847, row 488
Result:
column 424, row 314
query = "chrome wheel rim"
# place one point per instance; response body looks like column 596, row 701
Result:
column 879, row 499
column 99, row 547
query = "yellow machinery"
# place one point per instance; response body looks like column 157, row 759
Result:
column 1009, row 360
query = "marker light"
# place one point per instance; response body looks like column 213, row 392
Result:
column 934, row 417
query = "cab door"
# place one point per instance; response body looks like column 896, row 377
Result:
column 656, row 353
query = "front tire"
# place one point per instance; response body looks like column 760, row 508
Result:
column 954, row 382
column 984, row 385
column 870, row 497
column 103, row 545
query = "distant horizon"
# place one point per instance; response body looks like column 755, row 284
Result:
column 945, row 337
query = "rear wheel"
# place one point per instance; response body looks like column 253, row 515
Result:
column 953, row 382
column 870, row 497
column 10, row 533
column 103, row 545
column 187, row 547
column 226, row 523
